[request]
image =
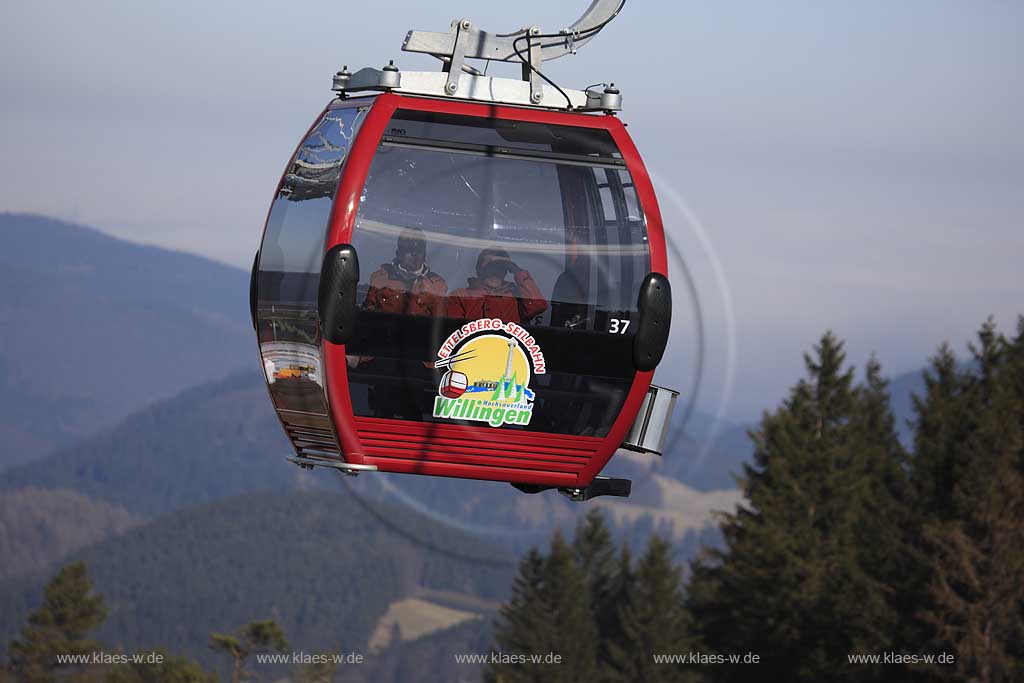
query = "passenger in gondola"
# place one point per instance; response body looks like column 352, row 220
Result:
column 406, row 284
column 490, row 295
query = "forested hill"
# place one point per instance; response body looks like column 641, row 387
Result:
column 315, row 562
column 39, row 527
column 96, row 328
column 213, row 441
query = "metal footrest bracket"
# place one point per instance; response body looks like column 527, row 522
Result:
column 601, row 486
column 348, row 468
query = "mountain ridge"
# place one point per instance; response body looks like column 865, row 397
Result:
column 100, row 327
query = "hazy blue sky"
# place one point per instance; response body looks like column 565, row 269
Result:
column 853, row 165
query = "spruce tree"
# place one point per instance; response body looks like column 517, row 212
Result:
column 941, row 424
column 522, row 625
column 882, row 526
column 547, row 615
column 976, row 550
column 798, row 582
column 573, row 631
column 653, row 620
column 595, row 554
column 70, row 610
column 621, row 594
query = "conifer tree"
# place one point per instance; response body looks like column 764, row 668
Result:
column 522, row 626
column 653, row 620
column 70, row 610
column 256, row 636
column 976, row 550
column 547, row 614
column 621, row 594
column 941, row 424
column 1015, row 361
column 595, row 554
column 573, row 631
column 795, row 583
column 882, row 528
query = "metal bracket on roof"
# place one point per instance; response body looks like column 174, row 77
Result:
column 502, row 47
column 463, row 40
column 534, row 58
column 453, row 67
column 528, row 46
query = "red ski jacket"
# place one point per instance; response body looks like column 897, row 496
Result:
column 512, row 302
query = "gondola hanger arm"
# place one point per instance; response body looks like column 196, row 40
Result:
column 529, row 46
column 480, row 44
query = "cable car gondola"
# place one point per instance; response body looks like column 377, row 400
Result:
column 465, row 276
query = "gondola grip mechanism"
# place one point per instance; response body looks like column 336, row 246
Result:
column 480, row 44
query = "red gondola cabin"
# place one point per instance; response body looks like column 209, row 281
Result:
column 464, row 289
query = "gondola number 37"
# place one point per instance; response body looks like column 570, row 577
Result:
column 619, row 326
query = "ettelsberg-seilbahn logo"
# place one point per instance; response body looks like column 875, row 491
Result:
column 489, row 366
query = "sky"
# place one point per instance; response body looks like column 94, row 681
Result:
column 857, row 167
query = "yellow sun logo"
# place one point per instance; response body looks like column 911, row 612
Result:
column 495, row 368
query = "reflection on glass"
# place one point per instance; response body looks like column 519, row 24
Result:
column 290, row 261
column 406, row 284
column 491, row 295
column 290, row 368
column 539, row 218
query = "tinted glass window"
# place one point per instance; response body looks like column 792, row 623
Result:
column 450, row 233
column 293, row 244
column 290, row 259
column 502, row 135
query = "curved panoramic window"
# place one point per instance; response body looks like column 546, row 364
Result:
column 467, row 220
column 290, row 259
